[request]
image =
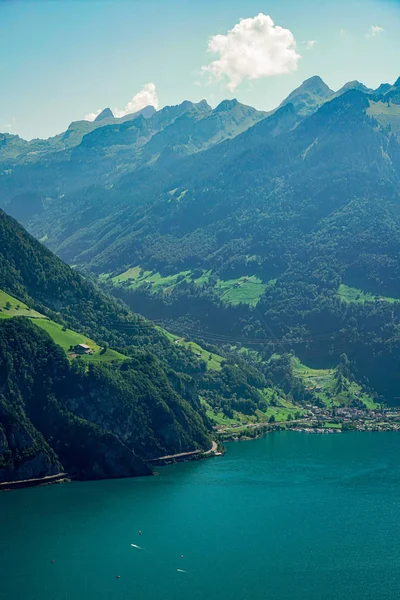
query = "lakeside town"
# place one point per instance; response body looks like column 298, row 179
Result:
column 319, row 420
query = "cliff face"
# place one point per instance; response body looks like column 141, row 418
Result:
column 92, row 422
column 140, row 406
column 24, row 454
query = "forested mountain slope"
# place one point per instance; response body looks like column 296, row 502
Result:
column 263, row 195
column 254, row 239
column 95, row 423
column 97, row 420
column 104, row 415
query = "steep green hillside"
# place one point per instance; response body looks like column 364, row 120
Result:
column 11, row 307
column 332, row 387
column 67, row 339
column 80, row 407
column 61, row 335
column 100, row 422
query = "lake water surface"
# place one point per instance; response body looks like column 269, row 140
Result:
column 287, row 517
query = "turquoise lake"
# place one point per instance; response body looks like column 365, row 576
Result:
column 288, row 517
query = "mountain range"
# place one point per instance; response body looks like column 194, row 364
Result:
column 265, row 237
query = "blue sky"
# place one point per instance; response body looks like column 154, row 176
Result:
column 61, row 60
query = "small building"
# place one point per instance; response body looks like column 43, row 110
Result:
column 82, row 349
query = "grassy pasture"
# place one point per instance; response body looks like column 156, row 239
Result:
column 350, row 294
column 137, row 277
column 11, row 307
column 65, row 339
column 69, row 338
column 247, row 290
column 324, row 384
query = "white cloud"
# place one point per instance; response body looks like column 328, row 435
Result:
column 147, row 96
column 310, row 44
column 374, row 30
column 93, row 115
column 254, row 48
column 10, row 125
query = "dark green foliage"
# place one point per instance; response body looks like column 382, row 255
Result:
column 100, row 422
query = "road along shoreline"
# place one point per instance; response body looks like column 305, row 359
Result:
column 24, row 483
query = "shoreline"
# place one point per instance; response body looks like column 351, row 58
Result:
column 255, row 431
column 263, row 433
column 186, row 456
column 171, row 459
column 217, row 449
column 35, row 482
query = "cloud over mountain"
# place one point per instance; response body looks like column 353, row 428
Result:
column 254, row 48
column 147, row 96
column 91, row 116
